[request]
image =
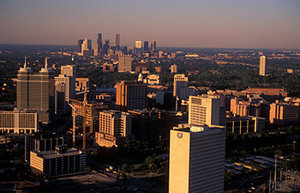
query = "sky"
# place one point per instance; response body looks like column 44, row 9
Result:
column 173, row 23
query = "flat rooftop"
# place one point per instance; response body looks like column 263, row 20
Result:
column 55, row 154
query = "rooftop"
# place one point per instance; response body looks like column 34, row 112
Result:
column 55, row 154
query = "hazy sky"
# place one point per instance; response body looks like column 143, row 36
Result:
column 180, row 23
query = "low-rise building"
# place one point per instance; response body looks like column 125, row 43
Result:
column 284, row 113
column 245, row 125
column 58, row 163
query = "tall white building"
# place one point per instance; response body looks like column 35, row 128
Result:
column 196, row 159
column 262, row 66
column 138, row 44
column 86, row 47
column 69, row 71
column 180, row 86
column 206, row 110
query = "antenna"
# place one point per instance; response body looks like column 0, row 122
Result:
column 46, row 62
column 25, row 63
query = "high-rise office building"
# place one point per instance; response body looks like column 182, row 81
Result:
column 196, row 159
column 130, row 95
column 86, row 47
column 79, row 46
column 62, row 92
column 36, row 92
column 99, row 41
column 69, row 71
column 206, row 110
column 138, row 44
column 262, row 66
column 95, row 50
column 118, row 41
column 106, row 47
column 124, row 63
column 180, row 86
column 153, row 46
column 146, row 46
column 113, row 127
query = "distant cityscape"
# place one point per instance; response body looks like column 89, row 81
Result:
column 102, row 117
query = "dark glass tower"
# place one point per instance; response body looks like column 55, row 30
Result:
column 146, row 46
column 118, row 41
column 99, row 41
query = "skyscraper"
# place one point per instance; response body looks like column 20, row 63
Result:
column 106, row 47
column 180, row 86
column 262, row 66
column 36, row 92
column 113, row 126
column 79, row 46
column 124, row 63
column 86, row 47
column 153, row 46
column 69, row 71
column 206, row 110
column 118, row 41
column 95, row 48
column 99, row 41
column 130, row 95
column 138, row 44
column 62, row 89
column 146, row 46
column 196, row 159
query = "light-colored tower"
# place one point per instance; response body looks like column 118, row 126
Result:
column 115, row 123
column 196, row 159
column 180, row 86
column 263, row 66
column 86, row 47
column 130, row 95
column 206, row 110
column 69, row 71
column 138, row 44
column 124, row 63
column 153, row 46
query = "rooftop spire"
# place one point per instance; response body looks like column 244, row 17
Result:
column 45, row 69
column 25, row 68
column 46, row 62
column 25, row 63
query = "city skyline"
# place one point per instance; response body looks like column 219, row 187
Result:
column 203, row 24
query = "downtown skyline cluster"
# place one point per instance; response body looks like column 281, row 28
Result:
column 202, row 24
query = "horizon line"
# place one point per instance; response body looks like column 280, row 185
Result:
column 26, row 44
